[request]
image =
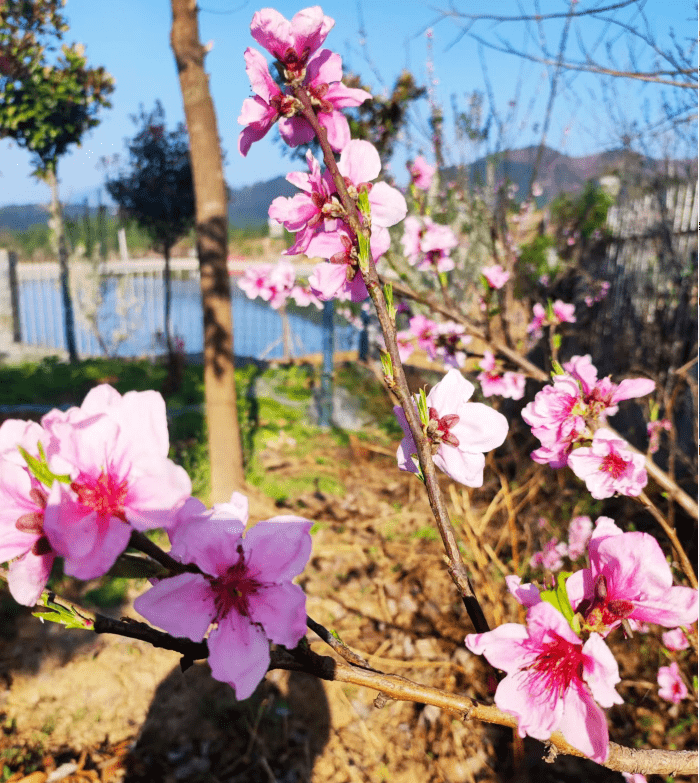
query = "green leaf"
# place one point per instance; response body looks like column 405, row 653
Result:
column 40, row 470
column 559, row 598
column 556, row 341
column 49, row 609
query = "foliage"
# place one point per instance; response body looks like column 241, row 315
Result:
column 45, row 107
column 583, row 215
column 156, row 192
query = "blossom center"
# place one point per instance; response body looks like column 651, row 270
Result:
column 233, row 589
column 439, row 429
column 105, row 494
column 614, row 464
column 557, row 665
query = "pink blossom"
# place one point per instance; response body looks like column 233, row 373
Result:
column 328, row 95
column 601, row 396
column 510, row 384
column 22, row 502
column 675, row 640
column 633, row 777
column 554, row 681
column 671, row 685
column 539, row 317
column 561, row 312
column 525, row 594
column 245, row 588
column 303, row 296
column 359, row 164
column 459, row 431
column 629, row 578
column 291, row 42
column 421, row 173
column 556, row 416
column 580, row 529
column 256, row 282
column 427, row 244
column 654, row 429
column 551, row 556
column 120, row 477
column 609, row 466
column 564, row 313
column 295, row 44
column 496, row 276
column 260, row 113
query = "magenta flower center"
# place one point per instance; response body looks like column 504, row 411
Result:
column 557, row 665
column 439, row 429
column 105, row 494
column 233, row 589
column 614, row 464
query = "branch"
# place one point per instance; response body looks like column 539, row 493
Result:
column 675, row 492
column 399, row 386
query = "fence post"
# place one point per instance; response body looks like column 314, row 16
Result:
column 9, row 299
column 325, row 417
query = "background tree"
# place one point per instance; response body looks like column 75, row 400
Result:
column 47, row 104
column 225, row 454
column 157, row 193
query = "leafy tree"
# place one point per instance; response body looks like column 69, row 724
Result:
column 156, row 191
column 48, row 101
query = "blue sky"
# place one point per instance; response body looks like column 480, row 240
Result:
column 130, row 38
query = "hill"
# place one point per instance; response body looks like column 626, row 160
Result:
column 557, row 173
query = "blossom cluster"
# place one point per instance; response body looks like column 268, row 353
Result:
column 427, row 244
column 552, row 554
column 276, row 284
column 444, row 340
column 558, row 313
column 569, row 418
column 296, row 46
column 83, row 482
column 560, row 671
column 504, row 384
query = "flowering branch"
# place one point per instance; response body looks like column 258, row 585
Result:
column 675, row 492
column 397, row 382
column 391, row 686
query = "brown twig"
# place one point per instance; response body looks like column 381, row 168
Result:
column 686, row 565
column 399, row 386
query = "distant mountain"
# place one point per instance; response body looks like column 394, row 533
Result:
column 248, row 206
column 557, row 173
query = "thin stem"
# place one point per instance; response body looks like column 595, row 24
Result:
column 399, row 386
column 144, row 544
column 686, row 565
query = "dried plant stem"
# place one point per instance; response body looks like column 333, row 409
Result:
column 399, row 386
column 686, row 565
column 662, row 478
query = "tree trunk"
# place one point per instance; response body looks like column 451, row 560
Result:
column 60, row 239
column 225, row 454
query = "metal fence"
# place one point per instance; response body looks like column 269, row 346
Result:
column 119, row 309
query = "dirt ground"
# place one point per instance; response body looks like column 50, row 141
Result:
column 79, row 707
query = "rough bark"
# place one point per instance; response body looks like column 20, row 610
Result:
column 225, row 453
column 60, row 238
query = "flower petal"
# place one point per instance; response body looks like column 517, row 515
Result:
column 239, row 654
column 182, row 605
column 279, row 548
